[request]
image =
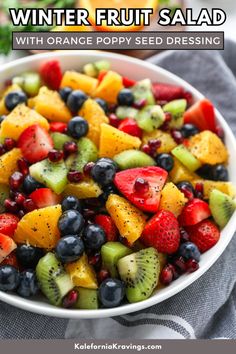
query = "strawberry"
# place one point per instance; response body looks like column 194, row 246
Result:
column 194, row 211
column 151, row 178
column 204, row 235
column 167, row 92
column 101, row 75
column 11, row 260
column 51, row 74
column 202, row 115
column 7, row 245
column 44, row 197
column 58, row 127
column 162, row 232
column 130, row 127
column 35, row 143
column 128, row 82
column 108, row 226
column 8, row 224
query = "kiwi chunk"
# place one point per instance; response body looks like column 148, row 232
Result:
column 177, row 109
column 87, row 299
column 52, row 174
column 123, row 112
column 222, row 207
column 59, row 140
column 54, row 282
column 4, row 194
column 150, row 118
column 30, row 82
column 143, row 90
column 111, row 252
column 87, row 151
column 140, row 272
column 186, row 158
column 133, row 158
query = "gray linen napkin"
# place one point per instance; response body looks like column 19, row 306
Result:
column 206, row 309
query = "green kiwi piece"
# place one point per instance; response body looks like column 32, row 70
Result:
column 4, row 194
column 186, row 158
column 102, row 65
column 52, row 174
column 87, row 299
column 87, row 151
column 30, row 82
column 143, row 90
column 111, row 252
column 222, row 207
column 133, row 158
column 150, row 118
column 90, row 70
column 177, row 109
column 59, row 140
column 140, row 272
column 123, row 112
column 54, row 282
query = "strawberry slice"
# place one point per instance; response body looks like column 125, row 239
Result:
column 51, row 74
column 58, row 127
column 130, row 127
column 162, row 232
column 7, row 245
column 11, row 260
column 128, row 82
column 35, row 143
column 154, row 179
column 8, row 224
column 44, row 197
column 202, row 115
column 205, row 235
column 194, row 212
column 167, row 92
column 108, row 226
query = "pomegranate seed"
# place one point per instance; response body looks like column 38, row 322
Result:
column 29, row 205
column 220, row 132
column 13, row 194
column 2, row 149
column 70, row 299
column 55, row 155
column 177, row 136
column 184, row 236
column 11, row 206
column 94, row 259
column 9, row 144
column 112, row 108
column 19, row 199
column 89, row 214
column 168, row 117
column 113, row 120
column 187, row 192
column 154, row 144
column 165, row 126
column 23, row 166
column 199, row 190
column 103, row 275
column 180, row 264
column 192, row 265
column 75, row 176
column 21, row 213
column 87, row 168
column 146, row 148
column 16, row 180
column 166, row 276
column 140, row 104
column 141, row 186
column 70, row 147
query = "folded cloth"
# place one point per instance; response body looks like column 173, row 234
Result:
column 206, row 309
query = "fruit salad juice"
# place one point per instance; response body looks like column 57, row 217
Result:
column 108, row 186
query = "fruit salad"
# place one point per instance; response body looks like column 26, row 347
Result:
column 110, row 188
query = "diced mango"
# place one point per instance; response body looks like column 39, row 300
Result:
column 167, row 142
column 180, row 173
column 83, row 190
column 79, row 81
column 172, row 199
column 3, row 109
column 225, row 187
column 82, row 273
column 8, row 164
column 109, row 87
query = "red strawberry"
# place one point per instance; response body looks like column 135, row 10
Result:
column 152, row 179
column 35, row 143
column 58, row 127
column 167, row 92
column 162, row 232
column 130, row 127
column 11, row 260
column 51, row 74
column 194, row 211
column 128, row 82
column 44, row 197
column 8, row 224
column 202, row 115
column 205, row 235
column 7, row 245
column 108, row 226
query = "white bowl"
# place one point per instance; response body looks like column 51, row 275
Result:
column 138, row 70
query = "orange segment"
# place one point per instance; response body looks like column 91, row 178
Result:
column 82, row 273
column 79, row 81
column 109, row 87
column 8, row 164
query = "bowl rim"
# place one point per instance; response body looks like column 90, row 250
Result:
column 186, row 280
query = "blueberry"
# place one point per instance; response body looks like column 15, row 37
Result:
column 186, row 185
column 104, row 171
column 71, row 203
column 77, row 127
column 76, row 100
column 28, row 256
column 188, row 130
column 165, row 161
column 64, row 93
column 71, row 222
column 69, row 248
column 125, row 97
column 94, row 237
column 2, row 119
column 102, row 104
column 106, row 192
column 205, row 171
column 219, row 173
column 14, row 98
column 111, row 292
column 9, row 278
column 30, row 185
column 189, row 250
column 28, row 284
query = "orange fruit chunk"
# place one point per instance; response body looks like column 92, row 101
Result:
column 82, row 273
column 8, row 164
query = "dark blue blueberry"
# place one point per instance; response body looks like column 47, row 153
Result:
column 188, row 130
column 76, row 100
column 64, row 93
column 186, row 185
column 71, row 222
column 125, row 97
column 71, row 203
column 30, row 185
column 189, row 250
column 205, row 171
column 28, row 284
column 220, row 173
column 14, row 98
column 104, row 171
column 106, row 192
column 69, row 248
column 28, row 256
column 9, row 278
column 77, row 127
column 102, row 104
column 94, row 237
column 165, row 161
column 111, row 292
column 2, row 119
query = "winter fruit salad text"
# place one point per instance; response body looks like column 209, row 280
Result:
column 109, row 188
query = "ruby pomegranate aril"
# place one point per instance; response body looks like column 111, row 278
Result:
column 70, row 299
column 16, row 180
column 166, row 276
column 192, row 265
column 141, row 186
column 103, row 275
column 113, row 120
column 11, row 206
column 140, row 104
column 20, row 199
column 146, row 148
column 55, row 155
column 87, row 168
column 70, row 147
column 9, row 144
column 29, row 205
column 74, row 176
column 177, row 136
column 23, row 166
